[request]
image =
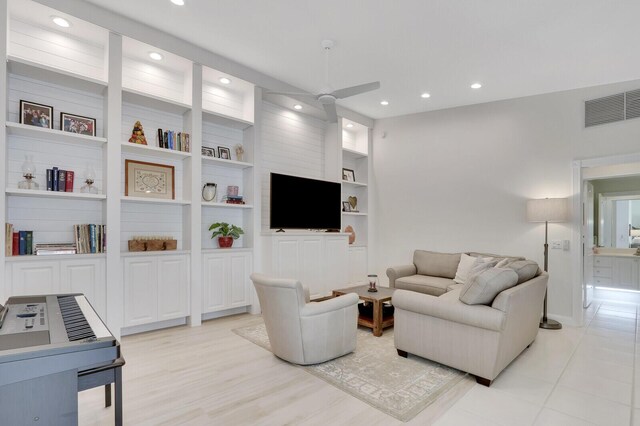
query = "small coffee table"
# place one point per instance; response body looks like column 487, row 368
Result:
column 377, row 323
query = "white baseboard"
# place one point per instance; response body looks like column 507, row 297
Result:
column 227, row 312
column 125, row 331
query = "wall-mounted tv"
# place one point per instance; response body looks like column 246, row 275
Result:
column 302, row 203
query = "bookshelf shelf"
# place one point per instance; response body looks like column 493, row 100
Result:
column 226, row 205
column 154, row 253
column 155, row 102
column 153, row 151
column 354, row 214
column 53, row 135
column 225, row 120
column 226, row 163
column 350, row 153
column 126, row 199
column 53, row 194
column 344, row 182
column 54, row 257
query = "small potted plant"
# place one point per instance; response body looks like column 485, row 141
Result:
column 226, row 233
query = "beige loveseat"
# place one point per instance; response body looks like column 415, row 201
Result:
column 432, row 322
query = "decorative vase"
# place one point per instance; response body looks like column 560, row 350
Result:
column 209, row 191
column 225, row 242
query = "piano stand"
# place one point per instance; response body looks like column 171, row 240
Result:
column 104, row 376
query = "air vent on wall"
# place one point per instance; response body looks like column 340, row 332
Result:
column 633, row 104
column 604, row 110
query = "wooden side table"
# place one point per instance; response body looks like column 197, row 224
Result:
column 377, row 323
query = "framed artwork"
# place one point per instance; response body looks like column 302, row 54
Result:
column 346, row 207
column 224, row 153
column 348, row 175
column 34, row 114
column 149, row 180
column 77, row 124
column 208, row 152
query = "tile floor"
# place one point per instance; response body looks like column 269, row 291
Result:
column 576, row 376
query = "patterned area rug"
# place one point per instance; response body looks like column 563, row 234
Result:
column 375, row 374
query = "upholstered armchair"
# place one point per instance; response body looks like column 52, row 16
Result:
column 304, row 332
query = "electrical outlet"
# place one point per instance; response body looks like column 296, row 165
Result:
column 556, row 245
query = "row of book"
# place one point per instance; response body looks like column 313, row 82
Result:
column 177, row 141
column 90, row 238
column 60, row 180
column 17, row 243
column 233, row 199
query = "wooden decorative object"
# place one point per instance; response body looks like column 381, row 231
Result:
column 152, row 245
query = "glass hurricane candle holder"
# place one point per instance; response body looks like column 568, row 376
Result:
column 89, row 179
column 28, row 171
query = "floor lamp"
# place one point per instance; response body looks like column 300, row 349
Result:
column 547, row 210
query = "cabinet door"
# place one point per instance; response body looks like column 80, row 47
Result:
column 625, row 273
column 173, row 287
column 38, row 277
column 357, row 265
column 213, row 282
column 286, row 257
column 86, row 277
column 238, row 280
column 140, row 290
column 311, row 272
column 336, row 263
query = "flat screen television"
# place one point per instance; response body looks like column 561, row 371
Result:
column 302, row 203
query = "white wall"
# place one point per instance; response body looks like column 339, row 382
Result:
column 458, row 179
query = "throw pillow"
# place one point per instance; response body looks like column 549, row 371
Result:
column 526, row 269
column 466, row 262
column 482, row 288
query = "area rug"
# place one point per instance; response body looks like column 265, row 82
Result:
column 375, row 374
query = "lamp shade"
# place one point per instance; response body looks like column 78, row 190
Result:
column 635, row 233
column 547, row 210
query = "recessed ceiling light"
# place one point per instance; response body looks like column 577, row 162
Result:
column 476, row 85
column 61, row 22
column 178, row 2
column 224, row 80
column 349, row 125
column 155, row 56
column 385, row 103
column 297, row 106
column 425, row 95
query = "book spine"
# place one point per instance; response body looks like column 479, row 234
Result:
column 23, row 242
column 54, row 175
column 49, row 180
column 70, row 176
column 160, row 139
column 62, row 180
column 166, row 140
column 8, row 239
column 179, row 141
column 29, row 242
column 104, row 238
column 15, row 244
column 92, row 232
column 75, row 238
column 188, row 142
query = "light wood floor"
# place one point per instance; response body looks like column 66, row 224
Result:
column 210, row 376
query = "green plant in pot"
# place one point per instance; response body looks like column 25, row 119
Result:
column 226, row 233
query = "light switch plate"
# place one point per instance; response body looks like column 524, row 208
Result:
column 565, row 245
column 556, row 245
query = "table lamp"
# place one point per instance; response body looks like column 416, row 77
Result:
column 547, row 210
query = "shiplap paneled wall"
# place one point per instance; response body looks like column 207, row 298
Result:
column 220, row 214
column 59, row 50
column 142, row 219
column 223, row 100
column 151, row 120
column 293, row 144
column 154, row 80
column 214, row 135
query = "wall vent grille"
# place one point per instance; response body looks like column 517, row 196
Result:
column 633, row 104
column 604, row 110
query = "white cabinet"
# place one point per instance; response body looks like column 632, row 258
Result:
column 616, row 272
column 319, row 261
column 225, row 280
column 35, row 277
column 86, row 277
column 357, row 265
column 156, row 288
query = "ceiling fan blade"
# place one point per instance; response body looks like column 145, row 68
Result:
column 332, row 115
column 291, row 94
column 356, row 90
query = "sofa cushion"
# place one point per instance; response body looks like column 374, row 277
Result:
column 498, row 257
column 526, row 269
column 454, row 286
column 483, row 287
column 462, row 273
column 436, row 264
column 434, row 286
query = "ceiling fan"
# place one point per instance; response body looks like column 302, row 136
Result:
column 327, row 97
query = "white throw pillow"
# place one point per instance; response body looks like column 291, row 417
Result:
column 466, row 262
column 482, row 288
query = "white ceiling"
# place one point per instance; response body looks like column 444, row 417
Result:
column 513, row 47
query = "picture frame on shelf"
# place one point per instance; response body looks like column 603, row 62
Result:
column 35, row 114
column 208, row 152
column 348, row 175
column 77, row 124
column 224, row 153
column 346, row 207
column 149, row 180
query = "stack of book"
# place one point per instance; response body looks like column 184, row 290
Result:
column 18, row 243
column 60, row 180
column 233, row 199
column 43, row 249
column 177, row 141
column 90, row 238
